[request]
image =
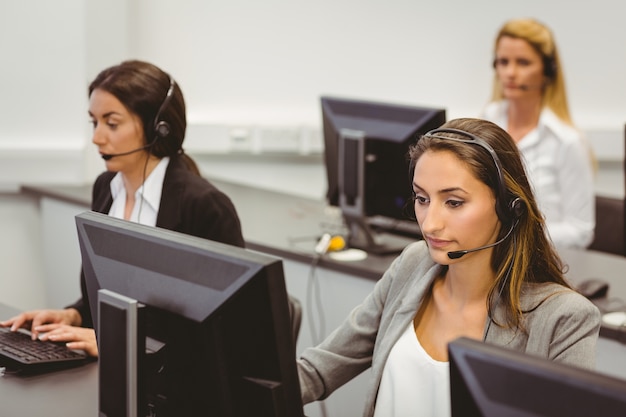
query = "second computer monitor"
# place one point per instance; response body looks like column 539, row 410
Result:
column 365, row 148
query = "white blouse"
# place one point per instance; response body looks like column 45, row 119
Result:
column 413, row 384
column 147, row 197
column 559, row 168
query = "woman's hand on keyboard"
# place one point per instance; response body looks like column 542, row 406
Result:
column 80, row 338
column 31, row 320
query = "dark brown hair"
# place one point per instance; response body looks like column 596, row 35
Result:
column 142, row 88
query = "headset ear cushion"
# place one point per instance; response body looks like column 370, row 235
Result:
column 549, row 67
column 162, row 129
column 516, row 207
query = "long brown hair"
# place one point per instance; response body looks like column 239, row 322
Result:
column 527, row 255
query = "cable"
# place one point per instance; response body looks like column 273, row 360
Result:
column 506, row 278
column 326, row 243
column 314, row 297
column 143, row 186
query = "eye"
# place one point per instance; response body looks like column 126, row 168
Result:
column 112, row 125
column 455, row 203
column 502, row 62
column 419, row 199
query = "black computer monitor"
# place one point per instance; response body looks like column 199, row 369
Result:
column 365, row 150
column 212, row 334
column 492, row 381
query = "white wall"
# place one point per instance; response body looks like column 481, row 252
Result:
column 245, row 65
column 21, row 267
column 247, row 62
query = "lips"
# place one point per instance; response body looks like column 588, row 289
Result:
column 437, row 243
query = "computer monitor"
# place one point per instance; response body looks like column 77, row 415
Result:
column 209, row 323
column 493, row 381
column 365, row 149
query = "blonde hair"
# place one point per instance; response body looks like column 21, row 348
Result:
column 540, row 38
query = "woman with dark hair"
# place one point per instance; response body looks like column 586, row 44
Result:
column 485, row 270
column 138, row 116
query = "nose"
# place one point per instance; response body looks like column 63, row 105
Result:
column 97, row 136
column 510, row 69
column 429, row 218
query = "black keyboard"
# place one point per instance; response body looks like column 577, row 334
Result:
column 18, row 350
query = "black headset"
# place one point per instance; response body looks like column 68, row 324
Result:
column 508, row 209
column 161, row 129
column 549, row 66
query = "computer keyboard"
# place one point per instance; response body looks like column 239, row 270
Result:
column 19, row 351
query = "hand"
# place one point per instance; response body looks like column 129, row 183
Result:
column 73, row 337
column 33, row 319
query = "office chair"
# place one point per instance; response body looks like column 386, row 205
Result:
column 609, row 233
column 295, row 314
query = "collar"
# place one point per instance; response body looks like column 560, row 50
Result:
column 151, row 188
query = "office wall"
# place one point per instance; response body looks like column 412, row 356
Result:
column 253, row 71
column 246, row 63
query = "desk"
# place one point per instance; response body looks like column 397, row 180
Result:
column 288, row 226
column 68, row 393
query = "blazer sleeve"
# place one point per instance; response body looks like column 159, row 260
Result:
column 370, row 330
column 100, row 202
column 571, row 324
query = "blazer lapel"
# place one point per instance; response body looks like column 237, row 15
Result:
column 170, row 215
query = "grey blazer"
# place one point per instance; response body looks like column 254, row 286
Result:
column 561, row 325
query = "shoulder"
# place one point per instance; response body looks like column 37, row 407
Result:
column 415, row 255
column 413, row 264
column 554, row 299
column 563, row 132
column 191, row 185
column 494, row 110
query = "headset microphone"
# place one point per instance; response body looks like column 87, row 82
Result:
column 108, row 156
column 459, row 253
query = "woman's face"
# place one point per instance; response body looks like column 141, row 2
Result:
column 519, row 67
column 454, row 209
column 116, row 130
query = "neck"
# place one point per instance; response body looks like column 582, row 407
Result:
column 470, row 283
column 133, row 179
column 523, row 116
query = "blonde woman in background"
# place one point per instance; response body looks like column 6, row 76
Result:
column 529, row 101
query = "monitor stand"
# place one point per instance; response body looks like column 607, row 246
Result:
column 121, row 343
column 361, row 236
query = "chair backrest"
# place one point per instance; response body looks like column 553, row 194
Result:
column 609, row 232
column 295, row 312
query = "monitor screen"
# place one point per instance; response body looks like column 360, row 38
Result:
column 492, row 381
column 214, row 323
column 365, row 149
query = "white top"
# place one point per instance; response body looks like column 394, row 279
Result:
column 147, row 197
column 413, row 384
column 559, row 168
